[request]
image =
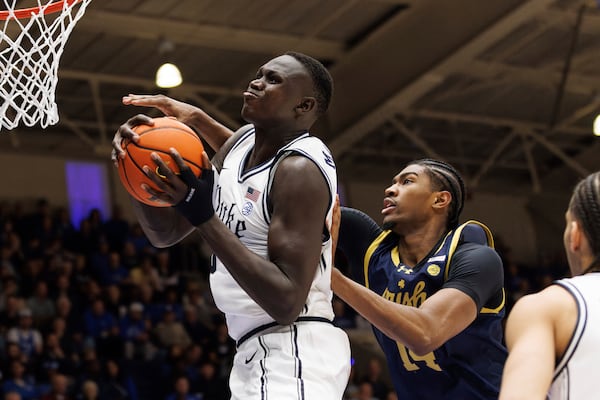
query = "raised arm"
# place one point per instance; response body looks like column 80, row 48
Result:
column 537, row 333
column 163, row 226
column 214, row 132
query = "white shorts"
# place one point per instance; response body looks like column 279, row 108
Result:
column 305, row 360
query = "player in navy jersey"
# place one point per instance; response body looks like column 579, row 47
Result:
column 552, row 335
column 265, row 213
column 431, row 288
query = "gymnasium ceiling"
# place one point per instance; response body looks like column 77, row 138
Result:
column 504, row 89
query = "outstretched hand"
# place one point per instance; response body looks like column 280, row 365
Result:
column 124, row 132
column 168, row 106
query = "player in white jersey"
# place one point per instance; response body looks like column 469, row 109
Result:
column 552, row 336
column 266, row 217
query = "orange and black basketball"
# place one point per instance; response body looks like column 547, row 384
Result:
column 165, row 133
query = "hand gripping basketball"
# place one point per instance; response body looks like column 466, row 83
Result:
column 197, row 206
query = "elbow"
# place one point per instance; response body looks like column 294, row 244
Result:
column 285, row 312
column 163, row 239
column 422, row 345
column 422, row 349
column 159, row 242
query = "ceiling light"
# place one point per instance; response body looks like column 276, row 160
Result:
column 168, row 76
column 597, row 125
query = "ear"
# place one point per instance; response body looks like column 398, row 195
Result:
column 306, row 105
column 576, row 236
column 441, row 199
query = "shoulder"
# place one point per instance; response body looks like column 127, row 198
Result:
column 217, row 160
column 478, row 254
column 549, row 304
column 297, row 171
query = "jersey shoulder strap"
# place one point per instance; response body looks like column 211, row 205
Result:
column 219, row 157
column 469, row 232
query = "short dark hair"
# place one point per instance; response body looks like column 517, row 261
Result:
column 585, row 207
column 322, row 80
column 445, row 177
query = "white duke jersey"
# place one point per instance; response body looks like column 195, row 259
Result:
column 575, row 375
column 240, row 201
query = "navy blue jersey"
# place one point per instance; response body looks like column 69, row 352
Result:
column 468, row 366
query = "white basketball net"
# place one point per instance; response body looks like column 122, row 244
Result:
column 30, row 50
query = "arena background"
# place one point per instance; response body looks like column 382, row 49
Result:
column 506, row 90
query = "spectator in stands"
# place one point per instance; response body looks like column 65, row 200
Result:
column 115, row 384
column 116, row 274
column 20, row 382
column 114, row 302
column 53, row 360
column 41, row 306
column 374, row 376
column 152, row 309
column 116, row 229
column 59, row 389
column 197, row 331
column 129, row 255
column 168, row 275
column 9, row 316
column 172, row 301
column 196, row 298
column 12, row 396
column 29, row 339
column 89, row 391
column 209, row 384
column 136, row 333
column 182, row 391
column 101, row 328
column 12, row 352
column 146, row 274
column 170, row 331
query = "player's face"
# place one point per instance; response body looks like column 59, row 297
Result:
column 407, row 202
column 278, row 89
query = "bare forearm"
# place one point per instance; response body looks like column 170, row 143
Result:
column 209, row 128
column 264, row 281
column 400, row 323
column 163, row 226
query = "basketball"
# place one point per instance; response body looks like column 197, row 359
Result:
column 167, row 132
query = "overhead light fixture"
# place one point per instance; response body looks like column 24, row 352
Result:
column 168, row 74
column 597, row 125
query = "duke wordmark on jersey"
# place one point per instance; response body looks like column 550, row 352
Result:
column 227, row 214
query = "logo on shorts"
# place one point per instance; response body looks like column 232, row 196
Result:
column 247, row 361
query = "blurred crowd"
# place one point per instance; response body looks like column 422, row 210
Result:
column 95, row 312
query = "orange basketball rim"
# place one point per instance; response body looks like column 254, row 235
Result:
column 48, row 9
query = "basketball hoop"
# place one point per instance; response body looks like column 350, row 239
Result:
column 31, row 44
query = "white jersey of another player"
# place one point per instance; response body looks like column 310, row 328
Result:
column 575, row 376
column 241, row 202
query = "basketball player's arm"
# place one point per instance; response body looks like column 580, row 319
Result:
column 163, row 226
column 211, row 130
column 280, row 284
column 440, row 317
column 353, row 235
column 537, row 333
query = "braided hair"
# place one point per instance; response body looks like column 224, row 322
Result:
column 585, row 207
column 445, row 177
